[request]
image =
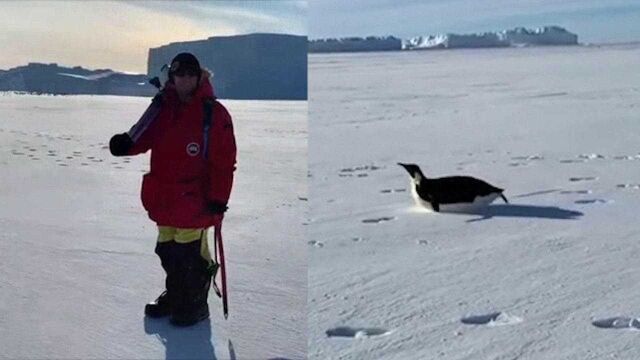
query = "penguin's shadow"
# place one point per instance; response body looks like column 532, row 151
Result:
column 192, row 342
column 522, row 211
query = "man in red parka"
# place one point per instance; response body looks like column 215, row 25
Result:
column 188, row 186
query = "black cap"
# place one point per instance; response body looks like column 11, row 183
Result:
column 184, row 62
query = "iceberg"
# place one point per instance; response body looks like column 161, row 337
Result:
column 353, row 44
column 547, row 35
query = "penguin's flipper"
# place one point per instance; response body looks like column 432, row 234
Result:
column 435, row 206
column 504, row 198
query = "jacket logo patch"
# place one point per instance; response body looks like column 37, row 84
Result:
column 193, row 149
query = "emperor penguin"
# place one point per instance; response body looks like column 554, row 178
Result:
column 451, row 193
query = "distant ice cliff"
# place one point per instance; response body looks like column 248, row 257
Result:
column 547, row 35
column 352, row 44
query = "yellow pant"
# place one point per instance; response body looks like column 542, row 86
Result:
column 183, row 236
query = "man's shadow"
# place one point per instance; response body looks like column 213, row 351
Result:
column 522, row 211
column 193, row 342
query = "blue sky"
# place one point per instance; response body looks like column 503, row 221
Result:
column 118, row 34
column 592, row 20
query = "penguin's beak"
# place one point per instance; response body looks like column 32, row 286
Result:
column 405, row 166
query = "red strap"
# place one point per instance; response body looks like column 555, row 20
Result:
column 223, row 273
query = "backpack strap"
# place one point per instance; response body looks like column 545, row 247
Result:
column 207, row 111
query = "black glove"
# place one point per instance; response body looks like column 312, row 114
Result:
column 120, row 144
column 215, row 207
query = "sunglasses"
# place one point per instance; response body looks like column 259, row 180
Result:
column 185, row 72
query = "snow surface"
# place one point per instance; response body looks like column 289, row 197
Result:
column 558, row 268
column 76, row 247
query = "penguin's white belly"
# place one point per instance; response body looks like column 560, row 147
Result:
column 418, row 199
column 478, row 202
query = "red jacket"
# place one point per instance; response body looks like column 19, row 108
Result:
column 181, row 181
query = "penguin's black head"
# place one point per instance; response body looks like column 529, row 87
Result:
column 412, row 169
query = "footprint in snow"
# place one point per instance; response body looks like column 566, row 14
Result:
column 528, row 157
column 584, row 178
column 536, row 193
column 545, row 95
column 315, row 243
column 627, row 157
column 628, row 186
column 492, row 319
column 593, row 201
column 582, row 192
column 591, row 156
column 618, row 322
column 356, row 333
column 378, row 220
column 389, row 191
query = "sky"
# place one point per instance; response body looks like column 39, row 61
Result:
column 118, row 34
column 595, row 21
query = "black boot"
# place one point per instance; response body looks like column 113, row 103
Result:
column 190, row 304
column 162, row 306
